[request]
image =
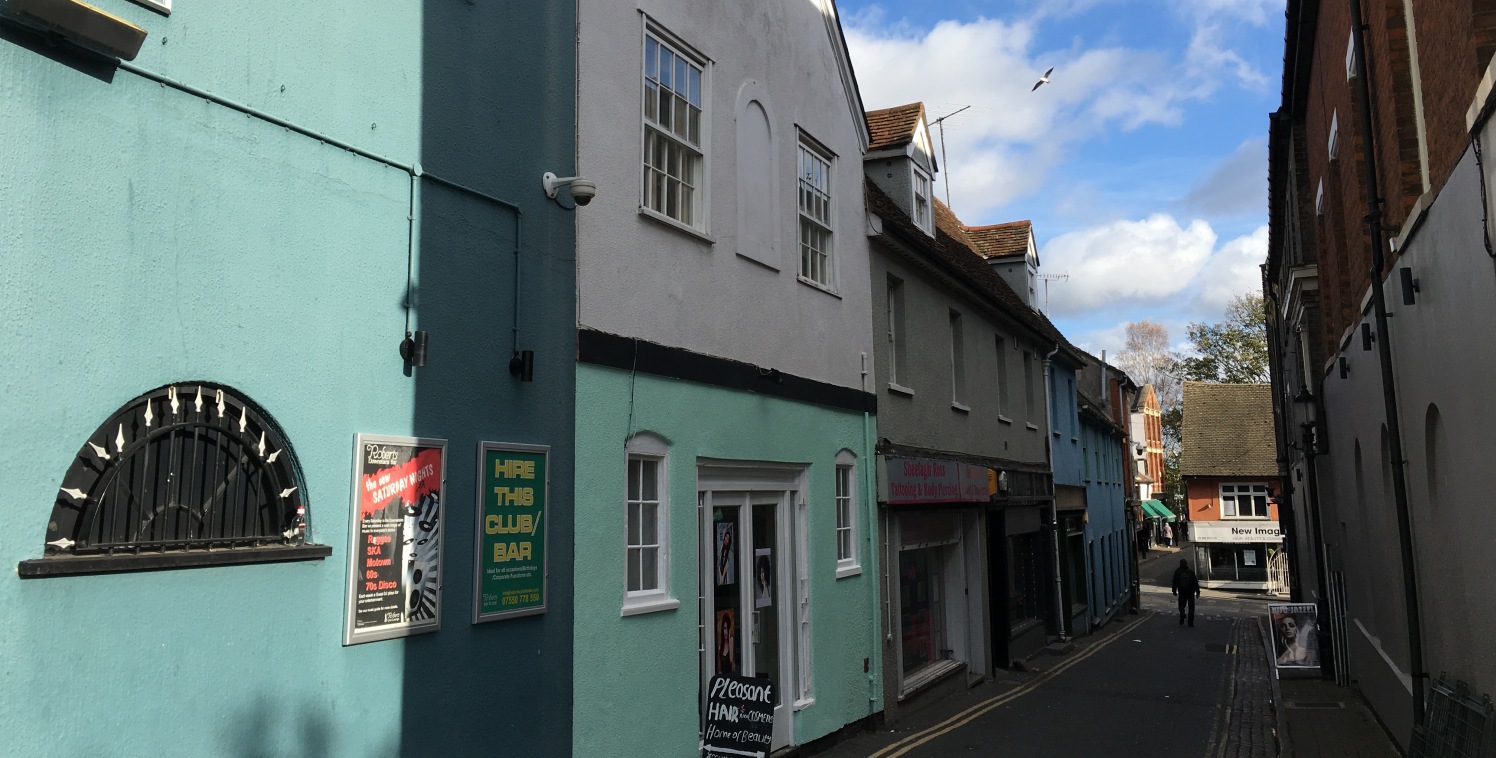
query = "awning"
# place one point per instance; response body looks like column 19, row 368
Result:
column 1156, row 509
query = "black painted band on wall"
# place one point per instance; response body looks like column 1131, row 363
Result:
column 630, row 354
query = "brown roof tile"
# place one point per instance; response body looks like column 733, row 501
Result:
column 895, row 126
column 1000, row 240
column 1228, row 430
column 950, row 250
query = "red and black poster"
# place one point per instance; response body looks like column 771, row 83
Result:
column 395, row 535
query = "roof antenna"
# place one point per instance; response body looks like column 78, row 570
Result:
column 946, row 175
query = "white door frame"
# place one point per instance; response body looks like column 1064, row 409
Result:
column 746, row 483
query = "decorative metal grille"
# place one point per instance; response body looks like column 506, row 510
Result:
column 1457, row 724
column 182, row 468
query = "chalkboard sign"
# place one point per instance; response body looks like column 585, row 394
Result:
column 739, row 717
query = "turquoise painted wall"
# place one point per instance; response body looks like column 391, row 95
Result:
column 151, row 237
column 636, row 677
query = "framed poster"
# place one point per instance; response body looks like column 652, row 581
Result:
column 513, row 491
column 1295, row 629
column 395, row 538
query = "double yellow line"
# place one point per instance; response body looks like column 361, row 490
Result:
column 970, row 714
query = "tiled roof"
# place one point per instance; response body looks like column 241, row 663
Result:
column 1228, row 430
column 1000, row 240
column 895, row 126
column 950, row 251
column 946, row 221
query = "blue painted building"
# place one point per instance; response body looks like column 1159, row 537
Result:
column 1093, row 480
column 220, row 233
column 1105, row 396
column 1068, row 458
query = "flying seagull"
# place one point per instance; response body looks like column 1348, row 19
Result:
column 1043, row 80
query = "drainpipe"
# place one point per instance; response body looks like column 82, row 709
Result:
column 1389, row 390
column 1054, row 507
column 870, row 486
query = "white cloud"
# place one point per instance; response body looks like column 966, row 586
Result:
column 1152, row 262
column 1231, row 271
column 1126, row 260
column 1237, row 186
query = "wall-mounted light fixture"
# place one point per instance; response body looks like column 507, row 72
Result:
column 522, row 365
column 1409, row 285
column 1345, row 368
column 79, row 23
column 1310, row 425
column 1367, row 337
column 413, row 348
column 582, row 190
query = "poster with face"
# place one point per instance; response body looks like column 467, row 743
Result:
column 1295, row 638
column 727, row 642
column 726, row 552
column 763, row 578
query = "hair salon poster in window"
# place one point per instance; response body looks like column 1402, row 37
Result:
column 395, row 538
column 1295, row 635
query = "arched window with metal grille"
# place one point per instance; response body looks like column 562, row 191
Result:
column 190, row 474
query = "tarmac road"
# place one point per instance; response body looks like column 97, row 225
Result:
column 1141, row 686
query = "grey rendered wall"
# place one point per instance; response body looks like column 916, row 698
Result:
column 640, row 277
column 1444, row 361
column 927, row 418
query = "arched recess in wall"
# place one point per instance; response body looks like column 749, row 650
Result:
column 1433, row 447
column 1366, row 551
column 1388, row 504
column 189, row 474
column 757, row 172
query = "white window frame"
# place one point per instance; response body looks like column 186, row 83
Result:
column 1029, row 400
column 162, row 6
column 641, row 448
column 1235, row 490
column 922, row 204
column 958, row 362
column 1004, row 393
column 848, row 561
column 804, row 683
column 898, row 338
column 815, row 212
column 694, row 217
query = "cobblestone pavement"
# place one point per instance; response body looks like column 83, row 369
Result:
column 1250, row 721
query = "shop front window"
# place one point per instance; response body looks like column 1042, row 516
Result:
column 1024, row 577
column 921, row 617
column 1227, row 562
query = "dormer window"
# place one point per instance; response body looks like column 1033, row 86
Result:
column 922, row 202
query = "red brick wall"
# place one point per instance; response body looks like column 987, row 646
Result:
column 1338, row 231
column 1203, row 495
column 1456, row 39
column 1393, row 116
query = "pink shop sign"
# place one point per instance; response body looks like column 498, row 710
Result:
column 913, row 481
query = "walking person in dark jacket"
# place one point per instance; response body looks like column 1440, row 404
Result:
column 1187, row 588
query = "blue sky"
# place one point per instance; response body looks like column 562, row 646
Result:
column 1143, row 163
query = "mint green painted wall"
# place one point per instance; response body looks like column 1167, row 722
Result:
column 636, row 677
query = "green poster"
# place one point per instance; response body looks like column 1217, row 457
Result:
column 512, row 485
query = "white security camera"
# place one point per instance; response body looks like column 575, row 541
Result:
column 582, row 190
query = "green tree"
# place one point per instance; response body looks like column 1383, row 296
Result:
column 1232, row 351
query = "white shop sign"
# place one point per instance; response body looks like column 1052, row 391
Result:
column 1235, row 531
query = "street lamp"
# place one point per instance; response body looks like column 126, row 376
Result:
column 1310, row 425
